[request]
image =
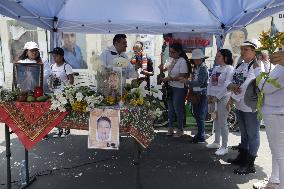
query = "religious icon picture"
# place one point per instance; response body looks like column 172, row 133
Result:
column 104, row 129
column 27, row 76
column 109, row 83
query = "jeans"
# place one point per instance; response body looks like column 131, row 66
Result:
column 220, row 123
column 275, row 135
column 249, row 127
column 200, row 112
column 176, row 106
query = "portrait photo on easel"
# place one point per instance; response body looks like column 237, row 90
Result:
column 104, row 129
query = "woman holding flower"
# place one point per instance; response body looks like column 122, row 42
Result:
column 273, row 117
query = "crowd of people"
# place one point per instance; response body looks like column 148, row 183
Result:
column 189, row 79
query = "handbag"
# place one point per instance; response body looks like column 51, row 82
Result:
column 192, row 97
column 167, row 91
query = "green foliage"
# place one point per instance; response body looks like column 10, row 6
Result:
column 260, row 98
column 8, row 95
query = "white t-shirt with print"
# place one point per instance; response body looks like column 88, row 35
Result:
column 176, row 67
column 242, row 76
column 59, row 76
column 219, row 80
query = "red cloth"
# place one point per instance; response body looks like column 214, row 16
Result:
column 30, row 121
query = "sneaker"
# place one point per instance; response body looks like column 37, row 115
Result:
column 221, row 151
column 237, row 147
column 170, row 131
column 45, row 137
column 67, row 132
column 178, row 134
column 213, row 145
column 58, row 133
column 265, row 184
column 197, row 140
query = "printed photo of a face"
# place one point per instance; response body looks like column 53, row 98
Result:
column 104, row 129
column 236, row 38
column 113, row 81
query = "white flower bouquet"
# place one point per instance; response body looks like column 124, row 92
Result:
column 75, row 99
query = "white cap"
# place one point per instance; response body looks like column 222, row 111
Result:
column 251, row 42
column 31, row 45
column 197, row 54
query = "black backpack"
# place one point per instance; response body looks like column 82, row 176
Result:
column 249, row 66
column 64, row 67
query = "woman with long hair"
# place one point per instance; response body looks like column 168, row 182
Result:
column 219, row 96
column 177, row 68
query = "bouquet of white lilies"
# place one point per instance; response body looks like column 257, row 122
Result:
column 76, row 99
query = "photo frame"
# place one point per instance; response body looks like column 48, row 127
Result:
column 27, row 76
column 104, row 129
column 109, row 82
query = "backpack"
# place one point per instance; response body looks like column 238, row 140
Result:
column 249, row 66
column 64, row 67
column 251, row 93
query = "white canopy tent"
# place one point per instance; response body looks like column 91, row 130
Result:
column 146, row 17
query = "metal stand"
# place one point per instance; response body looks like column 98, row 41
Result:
column 8, row 156
column 28, row 181
column 137, row 164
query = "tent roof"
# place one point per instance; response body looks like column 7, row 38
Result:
column 147, row 16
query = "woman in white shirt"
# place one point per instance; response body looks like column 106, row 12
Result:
column 218, row 95
column 30, row 54
column 177, row 69
column 273, row 117
column 248, row 123
column 61, row 74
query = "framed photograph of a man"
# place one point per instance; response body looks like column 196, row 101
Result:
column 104, row 129
column 27, row 76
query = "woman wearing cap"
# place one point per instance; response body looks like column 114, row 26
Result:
column 30, row 54
column 218, row 94
column 199, row 84
column 248, row 123
column 273, row 117
column 177, row 69
column 61, row 74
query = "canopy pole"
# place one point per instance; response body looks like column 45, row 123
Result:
column 54, row 37
column 220, row 38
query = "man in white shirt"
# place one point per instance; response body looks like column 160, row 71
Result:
column 118, row 49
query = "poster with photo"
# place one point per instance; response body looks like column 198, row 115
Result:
column 74, row 46
column 104, row 129
column 19, row 34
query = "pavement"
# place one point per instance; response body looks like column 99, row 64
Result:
column 168, row 163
